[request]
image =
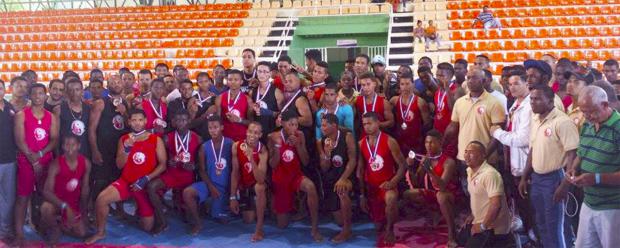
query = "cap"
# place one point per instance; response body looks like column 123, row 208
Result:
column 540, row 65
column 582, row 74
column 378, row 59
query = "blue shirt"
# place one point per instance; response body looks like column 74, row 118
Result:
column 345, row 119
column 220, row 177
column 214, row 90
column 88, row 95
column 419, row 85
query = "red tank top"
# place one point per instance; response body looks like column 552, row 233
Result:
column 371, row 106
column 247, row 171
column 68, row 183
column 37, row 132
column 141, row 160
column 239, row 107
column 379, row 168
column 318, row 91
column 153, row 112
column 443, row 112
column 290, row 165
column 180, row 147
column 438, row 171
column 412, row 128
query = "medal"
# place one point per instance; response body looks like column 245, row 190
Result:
column 259, row 98
column 201, row 100
column 159, row 120
column 374, row 102
column 232, row 106
column 181, row 147
column 373, row 152
column 219, row 165
column 404, row 114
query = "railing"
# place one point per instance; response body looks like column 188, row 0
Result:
column 282, row 41
column 371, row 51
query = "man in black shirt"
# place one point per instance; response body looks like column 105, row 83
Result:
column 7, row 165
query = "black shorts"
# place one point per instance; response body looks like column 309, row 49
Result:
column 247, row 199
column 108, row 171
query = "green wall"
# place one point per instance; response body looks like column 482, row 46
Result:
column 324, row 31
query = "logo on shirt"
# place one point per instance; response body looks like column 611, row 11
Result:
column 235, row 112
column 248, row 167
column 548, row 132
column 77, row 127
column 72, row 184
column 288, row 155
column 39, row 134
column 262, row 104
column 118, row 122
column 376, row 164
column 576, row 120
column 158, row 122
column 481, row 109
column 138, row 158
column 337, row 161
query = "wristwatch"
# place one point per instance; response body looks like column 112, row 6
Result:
column 234, row 197
column 482, row 227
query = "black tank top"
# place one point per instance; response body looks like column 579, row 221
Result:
column 339, row 157
column 110, row 129
column 202, row 129
column 269, row 101
column 245, row 86
column 75, row 123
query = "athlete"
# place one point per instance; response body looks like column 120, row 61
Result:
column 73, row 115
column 287, row 154
column 214, row 166
column 337, row 166
column 155, row 108
column 267, row 99
column 36, row 136
column 248, row 185
column 141, row 156
column 66, row 193
column 382, row 167
column 370, row 101
column 182, row 146
column 412, row 117
column 234, row 107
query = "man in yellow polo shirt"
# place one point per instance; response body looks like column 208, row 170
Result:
column 490, row 217
column 474, row 114
column 553, row 143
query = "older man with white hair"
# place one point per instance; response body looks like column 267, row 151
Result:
column 597, row 170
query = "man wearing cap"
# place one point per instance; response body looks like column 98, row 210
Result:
column 599, row 171
column 539, row 72
column 576, row 82
column 385, row 77
column 553, row 143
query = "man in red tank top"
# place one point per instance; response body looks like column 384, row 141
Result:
column 247, row 185
column 444, row 100
column 382, row 166
column 287, row 155
column 36, row 136
column 141, row 156
column 155, row 108
column 440, row 184
column 66, row 192
column 235, row 107
column 412, row 116
column 182, row 146
column 370, row 101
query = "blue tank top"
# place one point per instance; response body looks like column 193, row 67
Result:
column 219, row 173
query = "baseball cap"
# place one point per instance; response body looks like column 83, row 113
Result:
column 582, row 74
column 540, row 65
column 378, row 59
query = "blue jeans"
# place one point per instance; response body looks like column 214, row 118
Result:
column 8, row 180
column 549, row 215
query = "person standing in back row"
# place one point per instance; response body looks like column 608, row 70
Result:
column 73, row 116
column 8, row 170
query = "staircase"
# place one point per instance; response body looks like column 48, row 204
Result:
column 400, row 41
column 279, row 39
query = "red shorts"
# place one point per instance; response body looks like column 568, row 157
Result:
column 177, row 178
column 376, row 203
column 145, row 209
column 284, row 193
column 27, row 181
